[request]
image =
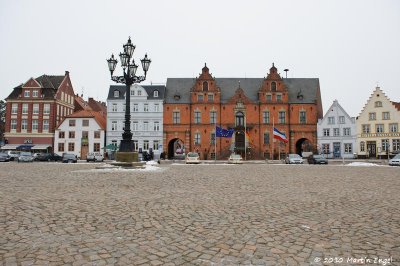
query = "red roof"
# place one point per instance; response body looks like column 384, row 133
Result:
column 397, row 105
column 100, row 119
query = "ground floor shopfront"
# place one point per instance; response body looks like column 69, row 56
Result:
column 378, row 145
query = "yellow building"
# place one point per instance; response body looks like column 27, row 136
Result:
column 378, row 133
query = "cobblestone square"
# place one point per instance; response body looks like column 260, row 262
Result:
column 251, row 214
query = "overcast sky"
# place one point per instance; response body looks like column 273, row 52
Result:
column 351, row 46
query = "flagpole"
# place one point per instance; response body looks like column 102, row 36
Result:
column 273, row 139
column 215, row 142
column 245, row 134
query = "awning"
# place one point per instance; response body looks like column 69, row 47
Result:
column 10, row 146
column 25, row 147
column 41, row 147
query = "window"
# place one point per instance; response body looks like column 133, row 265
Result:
column 205, row 86
column 302, row 117
column 71, row 134
column 27, row 93
column 378, row 104
column 36, row 109
column 139, row 93
column 46, row 124
column 85, row 135
column 282, row 117
column 385, row 145
column 14, row 108
column 176, row 117
column 346, row 131
column 266, row 138
column 385, row 115
column 336, row 132
column 212, row 138
column 197, row 117
column 155, row 94
column 72, row 122
column 326, row 148
column 136, row 107
column 197, row 138
column 348, row 148
column 96, row 147
column 326, row 132
column 268, row 97
column 213, row 117
column 113, row 125
column 24, row 108
column 13, row 124
column 71, row 146
column 124, row 107
column 116, row 94
column 156, row 107
column 97, row 134
column 85, row 122
column 145, row 126
column 273, row 86
column 135, row 126
column 155, row 145
column 46, row 109
column 132, row 93
column 145, row 145
column 393, row 127
column 200, row 97
column 35, row 93
column 239, row 119
column 379, row 128
column 362, row 146
column 366, row 129
column 135, row 145
column 372, row 116
column 24, row 124
column 146, row 107
column 331, row 120
column 266, row 117
column 61, row 134
column 341, row 120
column 156, row 126
column 60, row 146
column 114, row 107
column 396, row 144
column 210, row 97
column 279, row 97
column 35, row 124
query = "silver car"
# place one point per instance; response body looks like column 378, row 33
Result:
column 294, row 159
column 25, row 157
column 395, row 161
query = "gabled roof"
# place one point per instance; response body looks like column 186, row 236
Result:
column 149, row 90
column 100, row 119
column 336, row 104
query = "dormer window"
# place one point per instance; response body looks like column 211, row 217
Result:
column 378, row 104
column 139, row 93
column 155, row 94
column 177, row 97
column 116, row 94
column 205, row 86
column 27, row 93
column 273, row 86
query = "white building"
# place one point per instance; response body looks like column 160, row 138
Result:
column 337, row 133
column 146, row 116
column 79, row 133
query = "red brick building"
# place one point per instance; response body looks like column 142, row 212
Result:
column 250, row 106
column 34, row 109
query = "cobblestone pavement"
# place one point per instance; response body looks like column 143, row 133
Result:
column 58, row 214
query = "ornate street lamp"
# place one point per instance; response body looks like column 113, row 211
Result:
column 128, row 78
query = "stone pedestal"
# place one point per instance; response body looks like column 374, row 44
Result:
column 127, row 157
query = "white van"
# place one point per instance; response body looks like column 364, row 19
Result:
column 95, row 157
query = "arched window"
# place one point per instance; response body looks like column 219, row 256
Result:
column 155, row 94
column 116, row 94
column 239, row 119
column 205, row 86
column 273, row 86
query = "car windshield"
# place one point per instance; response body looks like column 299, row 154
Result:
column 294, row 156
column 192, row 154
column 26, row 154
column 235, row 156
column 69, row 156
column 397, row 156
column 318, row 157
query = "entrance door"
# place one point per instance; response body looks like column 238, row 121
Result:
column 336, row 149
column 371, row 148
column 84, row 151
column 239, row 142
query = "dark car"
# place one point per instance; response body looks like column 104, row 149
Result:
column 69, row 158
column 317, row 159
column 48, row 157
column 4, row 157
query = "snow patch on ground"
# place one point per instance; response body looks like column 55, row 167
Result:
column 362, row 164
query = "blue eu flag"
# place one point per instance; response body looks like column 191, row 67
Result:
column 224, row 133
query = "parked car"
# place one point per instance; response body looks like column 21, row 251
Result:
column 13, row 155
column 69, row 158
column 317, row 159
column 395, row 161
column 192, row 157
column 95, row 157
column 4, row 157
column 25, row 157
column 48, row 157
column 235, row 159
column 294, row 159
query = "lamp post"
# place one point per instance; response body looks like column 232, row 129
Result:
column 128, row 78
